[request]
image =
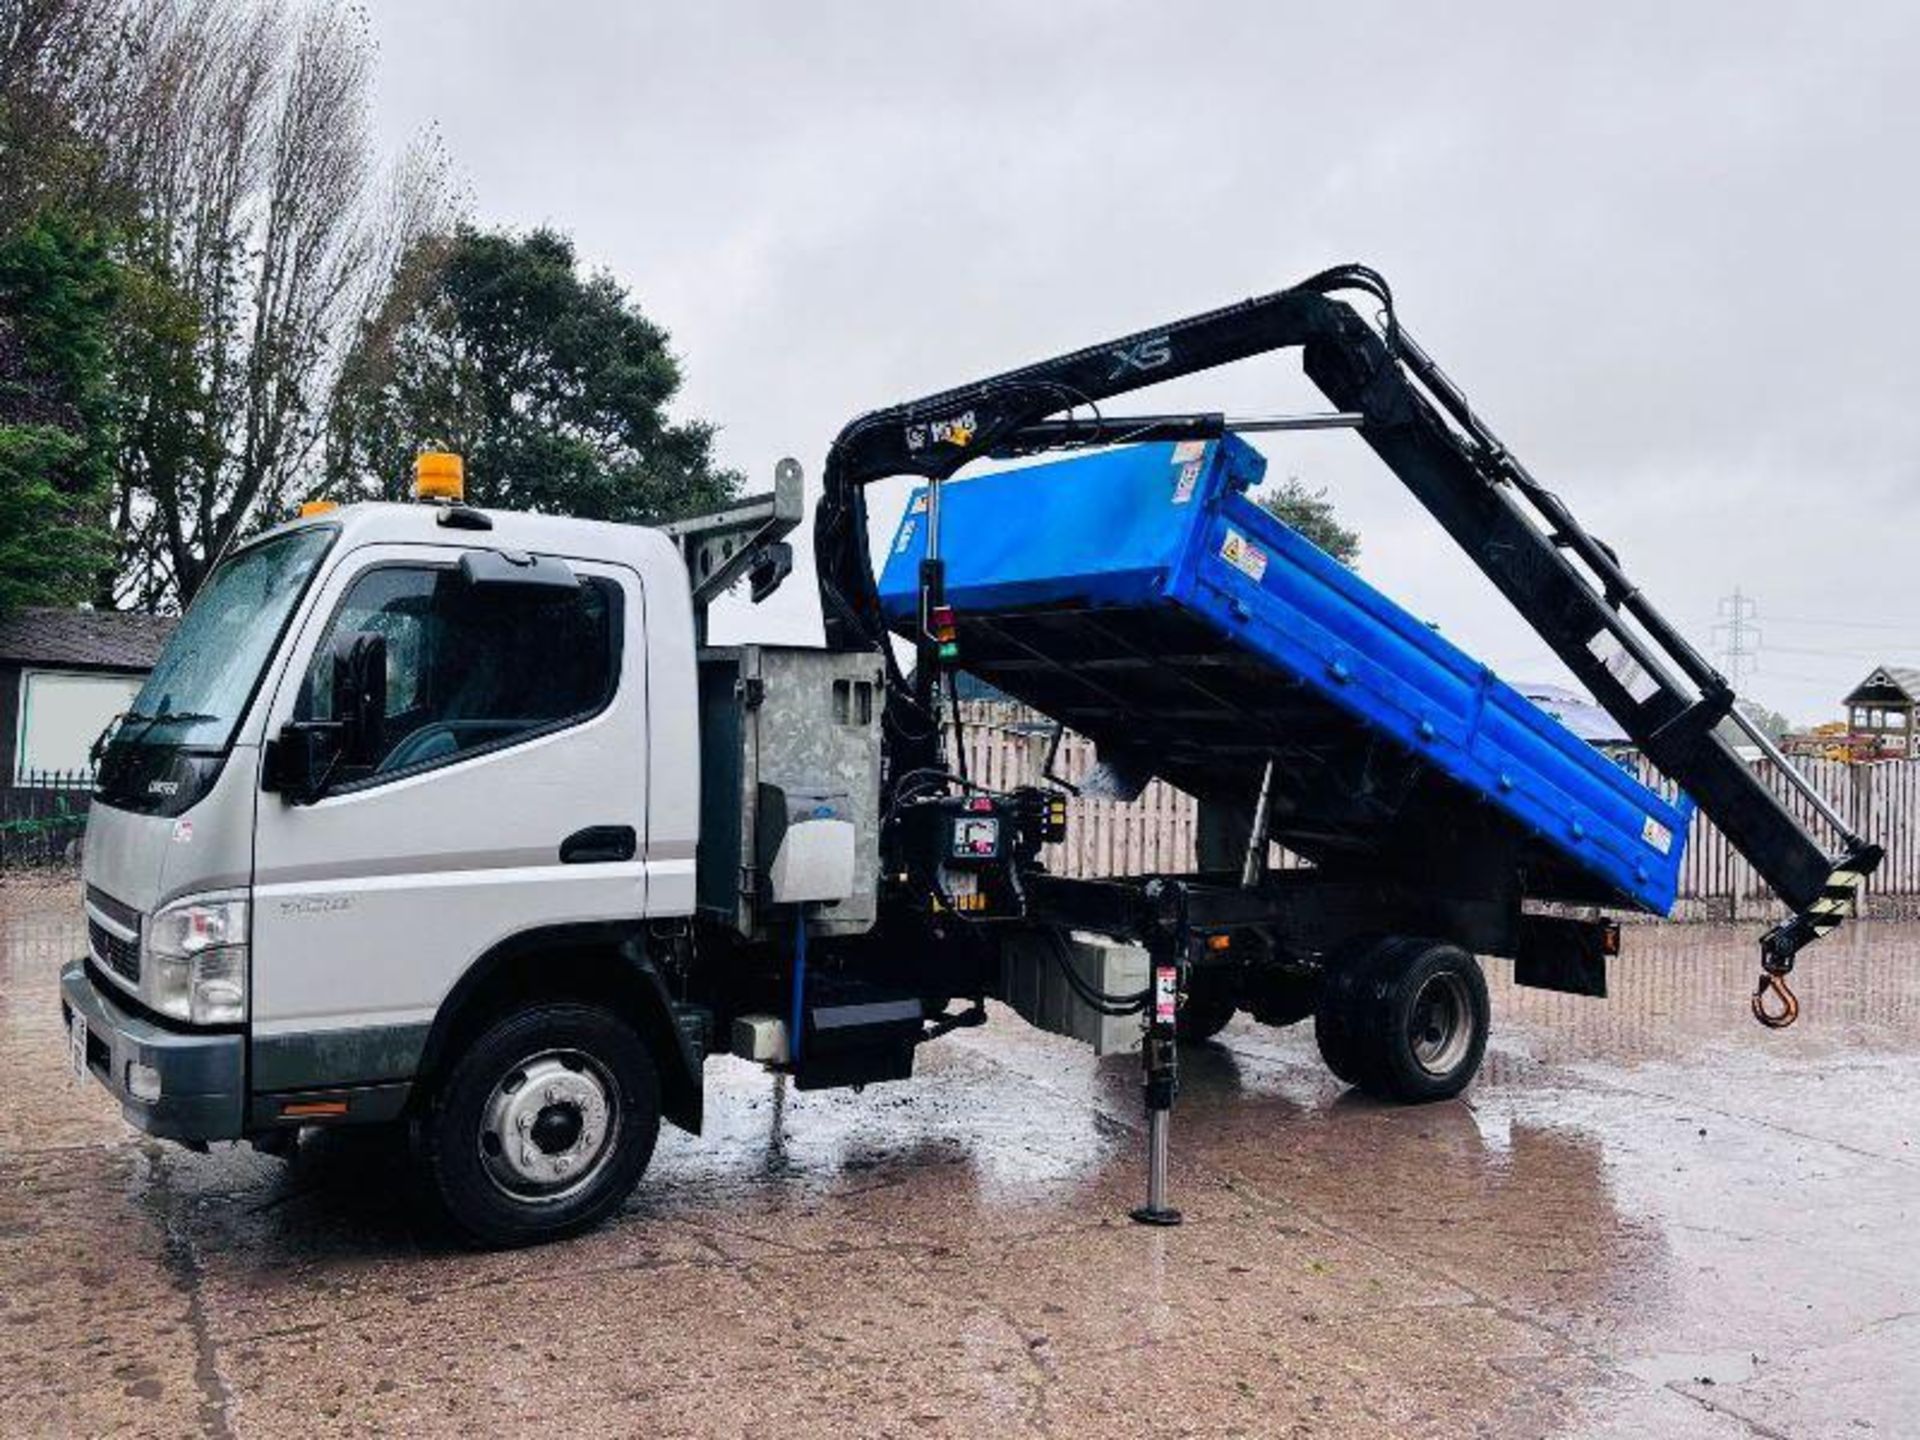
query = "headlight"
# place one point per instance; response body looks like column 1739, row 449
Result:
column 195, row 966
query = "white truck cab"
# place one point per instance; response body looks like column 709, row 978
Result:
column 393, row 756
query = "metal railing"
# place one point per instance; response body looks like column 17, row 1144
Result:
column 43, row 815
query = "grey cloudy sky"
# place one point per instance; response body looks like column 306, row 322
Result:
column 1668, row 249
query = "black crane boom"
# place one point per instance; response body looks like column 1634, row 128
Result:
column 1568, row 584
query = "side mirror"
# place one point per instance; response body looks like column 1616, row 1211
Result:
column 360, row 697
column 304, row 755
column 300, row 758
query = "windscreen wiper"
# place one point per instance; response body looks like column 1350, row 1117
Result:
column 99, row 746
column 163, row 717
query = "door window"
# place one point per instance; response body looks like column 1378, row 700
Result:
column 468, row 671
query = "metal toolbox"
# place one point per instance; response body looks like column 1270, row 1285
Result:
column 774, row 719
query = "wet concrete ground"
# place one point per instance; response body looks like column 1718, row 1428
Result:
column 1648, row 1217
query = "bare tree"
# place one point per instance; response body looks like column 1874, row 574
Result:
column 55, row 56
column 270, row 234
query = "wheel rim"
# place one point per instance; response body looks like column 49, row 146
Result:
column 549, row 1126
column 1440, row 1027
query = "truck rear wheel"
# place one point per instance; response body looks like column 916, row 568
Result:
column 1206, row 1007
column 1405, row 1019
column 542, row 1126
column 1282, row 997
column 1336, row 1013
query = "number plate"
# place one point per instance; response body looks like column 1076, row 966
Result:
column 77, row 1046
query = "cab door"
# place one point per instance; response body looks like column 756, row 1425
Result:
column 505, row 793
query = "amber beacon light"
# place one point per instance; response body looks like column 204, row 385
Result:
column 439, row 475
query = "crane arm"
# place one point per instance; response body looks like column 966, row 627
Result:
column 1564, row 581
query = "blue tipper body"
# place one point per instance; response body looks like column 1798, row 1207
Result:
column 1143, row 531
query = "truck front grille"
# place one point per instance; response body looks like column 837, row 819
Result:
column 118, row 911
column 120, row 956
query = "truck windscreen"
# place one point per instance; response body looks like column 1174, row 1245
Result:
column 205, row 678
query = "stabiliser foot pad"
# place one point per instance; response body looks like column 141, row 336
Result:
column 1150, row 1215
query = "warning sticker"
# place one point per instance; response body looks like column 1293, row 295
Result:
column 1623, row 667
column 1657, row 835
column 1166, row 994
column 919, row 506
column 1189, row 450
column 1245, row 556
column 1188, row 478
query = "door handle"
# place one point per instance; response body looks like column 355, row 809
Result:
column 599, row 845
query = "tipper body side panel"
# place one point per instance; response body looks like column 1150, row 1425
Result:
column 1141, row 597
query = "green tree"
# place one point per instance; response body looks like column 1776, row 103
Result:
column 552, row 384
column 57, row 435
column 1312, row 514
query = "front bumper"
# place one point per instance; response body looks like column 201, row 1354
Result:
column 202, row 1077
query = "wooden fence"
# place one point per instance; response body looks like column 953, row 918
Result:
column 1007, row 746
column 43, row 817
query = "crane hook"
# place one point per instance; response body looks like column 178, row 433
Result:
column 1789, row 1010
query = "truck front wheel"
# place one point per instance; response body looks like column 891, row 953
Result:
column 1405, row 1019
column 542, row 1126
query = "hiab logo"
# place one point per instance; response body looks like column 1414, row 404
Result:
column 958, row 432
column 1148, row 354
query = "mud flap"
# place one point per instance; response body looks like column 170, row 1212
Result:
column 1566, row 955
